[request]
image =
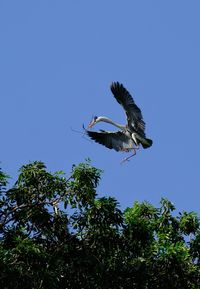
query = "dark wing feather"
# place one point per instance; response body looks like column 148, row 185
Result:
column 118, row 141
column 133, row 113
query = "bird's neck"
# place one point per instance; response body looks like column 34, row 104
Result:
column 108, row 120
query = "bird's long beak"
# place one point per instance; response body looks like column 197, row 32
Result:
column 91, row 124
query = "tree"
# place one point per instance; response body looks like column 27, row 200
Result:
column 56, row 233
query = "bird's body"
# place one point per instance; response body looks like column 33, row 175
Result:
column 130, row 136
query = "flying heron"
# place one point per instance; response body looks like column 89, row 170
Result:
column 131, row 135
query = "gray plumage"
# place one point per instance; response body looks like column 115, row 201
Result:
column 118, row 141
column 133, row 113
column 131, row 135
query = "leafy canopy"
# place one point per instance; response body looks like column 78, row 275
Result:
column 56, row 233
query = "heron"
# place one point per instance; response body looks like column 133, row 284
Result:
column 129, row 137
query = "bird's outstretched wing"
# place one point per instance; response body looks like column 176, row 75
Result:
column 133, row 113
column 118, row 141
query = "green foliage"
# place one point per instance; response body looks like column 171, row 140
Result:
column 3, row 181
column 56, row 233
column 82, row 184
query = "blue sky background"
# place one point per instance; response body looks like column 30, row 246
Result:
column 57, row 61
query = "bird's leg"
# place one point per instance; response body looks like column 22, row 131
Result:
column 127, row 159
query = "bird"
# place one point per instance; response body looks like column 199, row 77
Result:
column 130, row 136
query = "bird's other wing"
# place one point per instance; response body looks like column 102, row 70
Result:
column 133, row 113
column 118, row 141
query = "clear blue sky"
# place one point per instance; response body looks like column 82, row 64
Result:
column 57, row 61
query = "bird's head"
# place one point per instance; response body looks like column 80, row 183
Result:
column 94, row 120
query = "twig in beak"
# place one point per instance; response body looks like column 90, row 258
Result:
column 83, row 133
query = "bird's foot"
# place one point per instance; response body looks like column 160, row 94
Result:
column 128, row 158
column 125, row 160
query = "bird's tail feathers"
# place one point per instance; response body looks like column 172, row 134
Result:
column 146, row 143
